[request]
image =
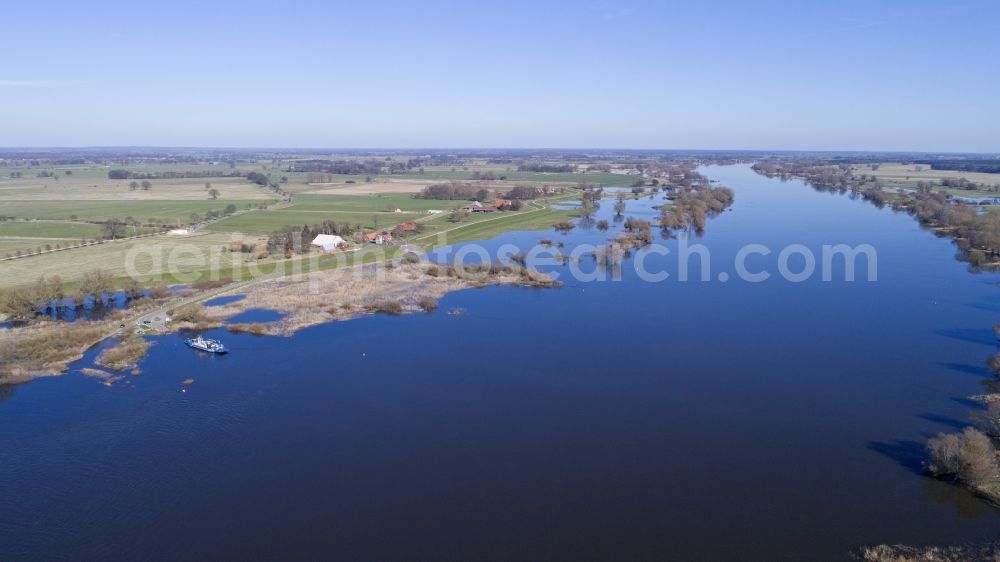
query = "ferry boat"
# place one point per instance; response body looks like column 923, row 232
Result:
column 203, row 344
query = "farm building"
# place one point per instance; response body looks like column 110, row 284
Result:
column 477, row 207
column 408, row 226
column 328, row 242
column 379, row 237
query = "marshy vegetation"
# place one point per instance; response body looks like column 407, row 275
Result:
column 391, row 307
column 46, row 351
column 193, row 317
column 126, row 354
column 255, row 328
column 988, row 552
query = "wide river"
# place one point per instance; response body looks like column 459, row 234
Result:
column 601, row 420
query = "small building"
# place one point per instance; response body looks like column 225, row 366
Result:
column 477, row 207
column 503, row 203
column 379, row 237
column 328, row 242
column 179, row 232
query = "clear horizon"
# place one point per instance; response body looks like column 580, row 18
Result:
column 639, row 75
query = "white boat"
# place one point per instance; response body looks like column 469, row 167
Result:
column 207, row 345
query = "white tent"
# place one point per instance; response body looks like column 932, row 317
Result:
column 329, row 242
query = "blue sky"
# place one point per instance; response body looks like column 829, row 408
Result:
column 849, row 75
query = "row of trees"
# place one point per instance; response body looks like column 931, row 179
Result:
column 24, row 303
column 341, row 167
column 545, row 167
column 455, row 190
column 125, row 174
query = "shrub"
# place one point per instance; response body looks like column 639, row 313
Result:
column 994, row 363
column 192, row 313
column 428, row 304
column 564, row 226
column 969, row 456
column 411, row 257
column 256, row 329
column 127, row 353
column 55, row 347
column 433, row 271
column 387, row 307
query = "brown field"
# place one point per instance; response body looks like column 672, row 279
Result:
column 401, row 186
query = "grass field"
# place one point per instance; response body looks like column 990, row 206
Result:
column 32, row 236
column 894, row 175
column 483, row 227
column 80, row 188
column 49, row 229
column 167, row 211
column 266, row 222
column 313, row 209
column 151, row 258
column 524, row 177
column 10, row 246
column 372, row 203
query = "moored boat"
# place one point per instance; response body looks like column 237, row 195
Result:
column 207, row 345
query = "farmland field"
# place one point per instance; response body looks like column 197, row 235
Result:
column 371, row 188
column 907, row 175
column 150, row 258
column 266, row 222
column 49, row 229
column 440, row 230
column 10, row 246
column 167, row 211
column 372, row 203
column 527, row 177
column 85, row 188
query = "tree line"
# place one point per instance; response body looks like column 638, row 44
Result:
column 455, row 190
column 124, row 174
column 542, row 167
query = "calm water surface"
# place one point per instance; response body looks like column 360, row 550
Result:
column 625, row 419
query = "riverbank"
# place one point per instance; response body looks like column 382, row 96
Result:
column 988, row 552
column 343, row 294
column 407, row 286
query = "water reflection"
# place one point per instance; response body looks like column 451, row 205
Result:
column 7, row 392
column 222, row 301
column 90, row 307
column 967, row 505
